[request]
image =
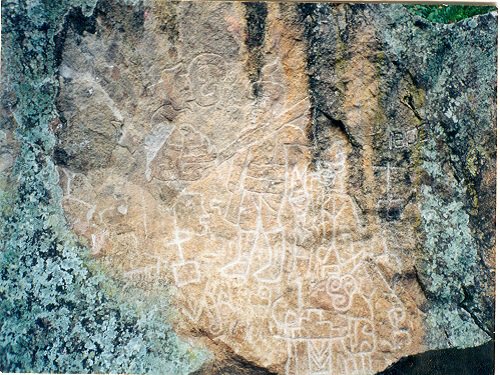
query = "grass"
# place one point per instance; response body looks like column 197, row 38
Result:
column 448, row 13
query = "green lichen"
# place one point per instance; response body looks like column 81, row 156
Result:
column 474, row 159
column 446, row 225
column 449, row 254
column 418, row 95
column 446, row 323
column 55, row 312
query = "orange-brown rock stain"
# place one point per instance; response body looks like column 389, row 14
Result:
column 212, row 201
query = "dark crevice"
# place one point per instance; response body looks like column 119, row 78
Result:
column 256, row 15
column 477, row 322
column 235, row 365
column 392, row 212
column 341, row 125
column 128, row 19
column 464, row 306
column 322, row 42
column 409, row 102
column 447, row 335
column 319, row 135
column 249, row 367
column 479, row 360
column 168, row 23
column 61, row 157
column 421, row 284
column 76, row 21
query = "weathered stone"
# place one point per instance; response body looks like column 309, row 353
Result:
column 311, row 186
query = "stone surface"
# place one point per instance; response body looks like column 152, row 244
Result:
column 58, row 311
column 309, row 187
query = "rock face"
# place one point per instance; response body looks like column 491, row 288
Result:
column 311, row 187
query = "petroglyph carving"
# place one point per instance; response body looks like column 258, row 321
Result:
column 389, row 205
column 341, row 290
column 362, row 338
column 98, row 240
column 213, row 307
column 219, row 196
column 185, row 271
column 183, row 154
column 174, row 87
column 404, row 139
column 401, row 331
column 269, row 99
column 154, row 142
column 207, row 73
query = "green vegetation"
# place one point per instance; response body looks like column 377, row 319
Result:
column 448, row 13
